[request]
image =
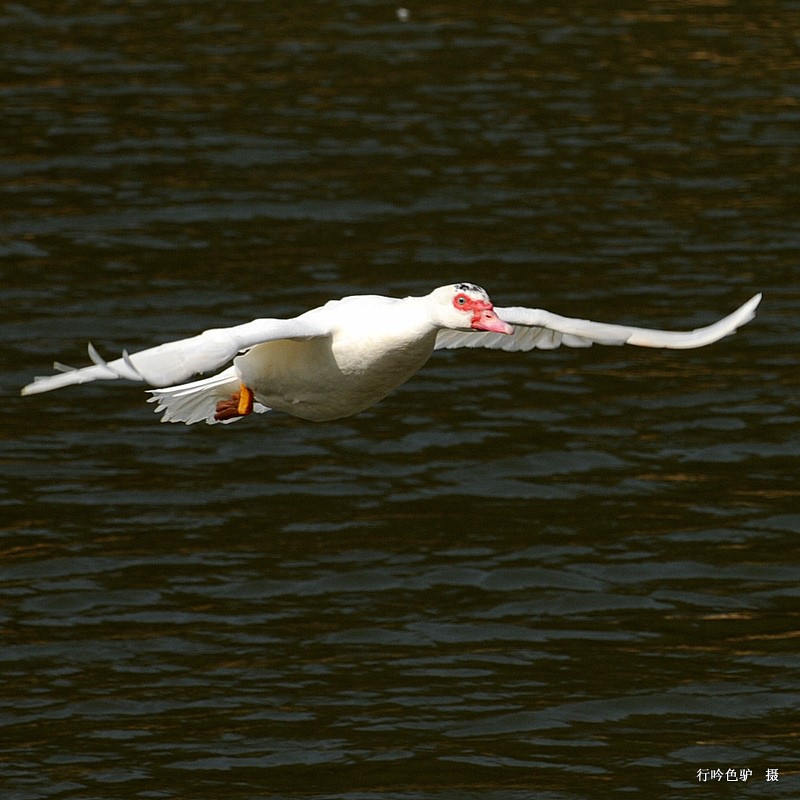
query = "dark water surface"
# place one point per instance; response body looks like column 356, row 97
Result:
column 564, row 574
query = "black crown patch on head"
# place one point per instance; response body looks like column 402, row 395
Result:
column 469, row 287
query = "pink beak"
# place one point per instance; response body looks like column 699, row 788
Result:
column 487, row 320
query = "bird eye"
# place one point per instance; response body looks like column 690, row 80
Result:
column 461, row 299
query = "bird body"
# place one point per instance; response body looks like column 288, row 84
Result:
column 376, row 347
column 347, row 355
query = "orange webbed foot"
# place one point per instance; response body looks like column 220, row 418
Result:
column 238, row 405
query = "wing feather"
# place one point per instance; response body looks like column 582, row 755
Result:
column 178, row 361
column 536, row 328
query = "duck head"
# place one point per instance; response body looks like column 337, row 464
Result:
column 465, row 306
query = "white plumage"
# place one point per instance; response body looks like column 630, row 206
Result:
column 347, row 355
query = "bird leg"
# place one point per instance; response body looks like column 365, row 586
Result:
column 238, row 405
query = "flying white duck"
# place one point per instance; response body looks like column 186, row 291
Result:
column 347, row 355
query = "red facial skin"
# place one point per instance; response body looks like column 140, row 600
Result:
column 483, row 316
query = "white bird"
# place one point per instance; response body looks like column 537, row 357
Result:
column 347, row 355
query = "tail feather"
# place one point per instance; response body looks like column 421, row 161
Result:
column 197, row 401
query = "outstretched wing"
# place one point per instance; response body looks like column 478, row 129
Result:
column 536, row 328
column 176, row 362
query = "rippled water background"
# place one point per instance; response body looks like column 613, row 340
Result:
column 556, row 575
